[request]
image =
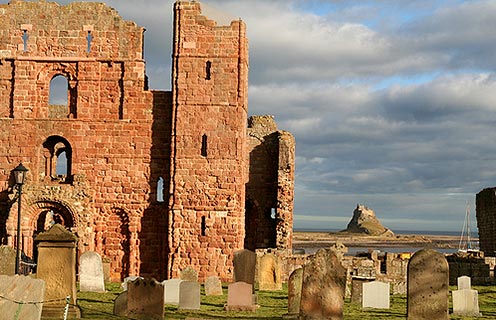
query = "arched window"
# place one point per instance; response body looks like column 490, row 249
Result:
column 57, row 154
column 58, row 99
column 160, row 189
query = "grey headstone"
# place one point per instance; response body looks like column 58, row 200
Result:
column 145, row 299
column 172, row 290
column 463, row 282
column 466, row 303
column 129, row 279
column 189, row 295
column 269, row 273
column 375, row 295
column 324, row 281
column 294, row 291
column 213, row 286
column 7, row 260
column 120, row 304
column 21, row 289
column 91, row 278
column 245, row 262
column 428, row 286
column 240, row 297
column 189, row 274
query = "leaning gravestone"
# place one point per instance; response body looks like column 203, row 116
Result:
column 21, row 297
column 213, row 286
column 145, row 299
column 428, row 291
column 189, row 274
column 189, row 295
column 294, row 292
column 245, row 262
column 7, row 260
column 324, row 281
column 375, row 295
column 240, row 297
column 91, row 278
column 172, row 290
column 269, row 273
column 57, row 267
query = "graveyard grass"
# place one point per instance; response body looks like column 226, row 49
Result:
column 273, row 305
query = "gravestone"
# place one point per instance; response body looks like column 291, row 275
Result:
column 375, row 295
column 294, row 291
column 357, row 288
column 22, row 296
column 213, row 286
column 466, row 303
column 7, row 260
column 240, row 297
column 145, row 299
column 57, row 267
column 189, row 295
column 245, row 262
column 269, row 273
column 129, row 279
column 463, row 282
column 120, row 304
column 172, row 290
column 189, row 274
column 428, row 291
column 323, row 285
column 91, row 278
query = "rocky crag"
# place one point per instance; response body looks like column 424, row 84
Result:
column 364, row 221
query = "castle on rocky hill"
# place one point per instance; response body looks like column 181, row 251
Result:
column 153, row 181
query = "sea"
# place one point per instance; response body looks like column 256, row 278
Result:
column 393, row 249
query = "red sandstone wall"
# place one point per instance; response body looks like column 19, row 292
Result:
column 208, row 186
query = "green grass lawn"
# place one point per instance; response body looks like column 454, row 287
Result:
column 272, row 306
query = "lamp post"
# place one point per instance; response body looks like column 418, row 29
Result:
column 20, row 175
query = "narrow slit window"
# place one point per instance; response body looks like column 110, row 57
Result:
column 203, row 226
column 208, row 70
column 160, row 189
column 25, row 38
column 273, row 213
column 204, row 146
column 88, row 39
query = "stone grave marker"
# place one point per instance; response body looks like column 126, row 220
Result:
column 428, row 291
column 240, row 297
column 357, row 288
column 172, row 290
column 145, row 299
column 189, row 295
column 294, row 291
column 91, row 278
column 213, row 286
column 27, row 291
column 7, row 260
column 189, row 274
column 245, row 262
column 269, row 273
column 463, row 282
column 57, row 267
column 375, row 295
column 466, row 303
column 120, row 304
column 323, row 285
column 129, row 279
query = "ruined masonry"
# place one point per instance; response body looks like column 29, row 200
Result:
column 153, row 181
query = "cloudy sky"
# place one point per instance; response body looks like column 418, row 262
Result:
column 392, row 102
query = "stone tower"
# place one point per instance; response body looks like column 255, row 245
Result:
column 208, row 157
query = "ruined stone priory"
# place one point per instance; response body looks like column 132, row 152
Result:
column 153, row 181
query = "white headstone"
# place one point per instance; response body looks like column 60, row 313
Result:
column 375, row 294
column 189, row 295
column 463, row 282
column 91, row 277
column 466, row 303
column 128, row 279
column 172, row 291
